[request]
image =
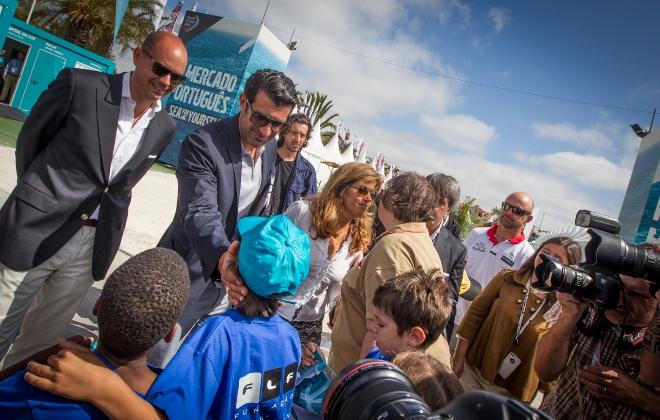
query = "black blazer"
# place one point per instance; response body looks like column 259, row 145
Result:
column 452, row 254
column 63, row 157
column 209, row 177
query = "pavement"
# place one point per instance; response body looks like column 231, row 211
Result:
column 151, row 211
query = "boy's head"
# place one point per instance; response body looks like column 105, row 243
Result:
column 273, row 260
column 141, row 302
column 411, row 310
column 432, row 380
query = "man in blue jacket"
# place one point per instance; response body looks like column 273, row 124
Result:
column 295, row 176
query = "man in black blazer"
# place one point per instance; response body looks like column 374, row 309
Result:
column 88, row 140
column 451, row 251
column 224, row 172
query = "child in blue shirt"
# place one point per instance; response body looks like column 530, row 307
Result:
column 241, row 364
column 411, row 311
column 140, row 304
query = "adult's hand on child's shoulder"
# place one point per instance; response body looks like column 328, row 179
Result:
column 74, row 373
column 229, row 275
column 308, row 355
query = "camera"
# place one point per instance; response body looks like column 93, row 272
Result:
column 375, row 389
column 606, row 256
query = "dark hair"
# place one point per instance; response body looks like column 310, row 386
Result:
column 445, row 186
column 295, row 118
column 256, row 306
column 432, row 380
column 410, row 198
column 573, row 251
column 417, row 299
column 279, row 88
column 141, row 301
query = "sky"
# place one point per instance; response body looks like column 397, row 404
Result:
column 435, row 85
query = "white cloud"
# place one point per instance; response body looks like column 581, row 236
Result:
column 462, row 132
column 501, row 18
column 586, row 138
column 586, row 170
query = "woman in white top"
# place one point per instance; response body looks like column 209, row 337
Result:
column 338, row 221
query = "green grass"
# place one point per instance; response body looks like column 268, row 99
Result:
column 9, row 130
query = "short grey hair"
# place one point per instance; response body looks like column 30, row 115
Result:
column 447, row 187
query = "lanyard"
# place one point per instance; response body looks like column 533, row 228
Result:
column 521, row 327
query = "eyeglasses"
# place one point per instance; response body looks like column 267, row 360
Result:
column 516, row 210
column 162, row 71
column 260, row 120
column 362, row 191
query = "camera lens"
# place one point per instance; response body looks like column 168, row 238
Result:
column 369, row 389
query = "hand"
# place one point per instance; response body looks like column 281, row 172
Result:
column 609, row 383
column 229, row 275
column 458, row 364
column 73, row 373
column 571, row 305
column 308, row 355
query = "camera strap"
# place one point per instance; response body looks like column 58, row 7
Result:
column 521, row 327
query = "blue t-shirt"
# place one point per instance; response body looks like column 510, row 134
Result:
column 376, row 354
column 231, row 367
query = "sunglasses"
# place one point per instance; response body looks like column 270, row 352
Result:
column 516, row 210
column 260, row 120
column 162, row 71
column 362, row 191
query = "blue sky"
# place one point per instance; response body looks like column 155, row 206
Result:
column 567, row 155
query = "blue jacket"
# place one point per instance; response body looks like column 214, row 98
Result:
column 302, row 182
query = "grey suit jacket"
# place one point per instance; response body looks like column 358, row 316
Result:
column 63, row 158
column 209, row 178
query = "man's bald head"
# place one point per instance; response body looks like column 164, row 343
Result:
column 517, row 211
column 521, row 198
column 167, row 38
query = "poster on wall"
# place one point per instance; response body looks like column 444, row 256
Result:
column 222, row 54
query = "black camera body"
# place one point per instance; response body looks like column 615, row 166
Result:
column 606, row 256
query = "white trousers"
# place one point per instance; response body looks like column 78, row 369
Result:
column 41, row 302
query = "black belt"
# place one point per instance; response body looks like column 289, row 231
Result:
column 90, row 222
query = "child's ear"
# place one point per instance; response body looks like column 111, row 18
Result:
column 416, row 337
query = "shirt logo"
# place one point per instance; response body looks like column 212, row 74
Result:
column 249, row 387
column 256, row 386
column 508, row 261
column 479, row 246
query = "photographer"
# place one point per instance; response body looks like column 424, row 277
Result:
column 597, row 368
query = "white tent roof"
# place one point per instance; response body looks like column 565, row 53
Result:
column 347, row 156
column 332, row 150
column 315, row 145
column 576, row 233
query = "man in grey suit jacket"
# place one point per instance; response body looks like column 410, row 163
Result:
column 451, row 251
column 224, row 172
column 88, row 140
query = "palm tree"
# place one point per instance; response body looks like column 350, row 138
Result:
column 317, row 108
column 90, row 23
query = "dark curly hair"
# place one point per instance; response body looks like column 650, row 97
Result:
column 279, row 88
column 295, row 118
column 417, row 299
column 410, row 198
column 140, row 302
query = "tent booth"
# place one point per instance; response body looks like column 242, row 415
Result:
column 45, row 56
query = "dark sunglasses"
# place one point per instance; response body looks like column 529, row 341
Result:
column 162, row 71
column 516, row 210
column 362, row 191
column 260, row 120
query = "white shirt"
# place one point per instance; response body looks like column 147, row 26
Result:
column 323, row 284
column 486, row 257
column 250, row 180
column 128, row 137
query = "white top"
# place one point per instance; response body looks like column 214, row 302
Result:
column 323, row 284
column 128, row 137
column 250, row 180
column 485, row 259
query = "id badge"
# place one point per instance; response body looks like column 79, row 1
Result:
column 508, row 365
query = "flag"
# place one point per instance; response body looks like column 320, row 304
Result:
column 120, row 10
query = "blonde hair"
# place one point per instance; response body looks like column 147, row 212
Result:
column 326, row 206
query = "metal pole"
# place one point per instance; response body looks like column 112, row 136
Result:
column 29, row 16
column 265, row 11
